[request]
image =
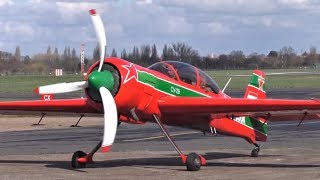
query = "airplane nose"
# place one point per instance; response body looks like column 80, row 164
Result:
column 101, row 79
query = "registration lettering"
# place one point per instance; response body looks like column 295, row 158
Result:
column 175, row 90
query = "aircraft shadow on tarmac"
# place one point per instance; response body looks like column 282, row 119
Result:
column 163, row 161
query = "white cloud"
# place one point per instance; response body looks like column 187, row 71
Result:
column 179, row 25
column 73, row 10
column 135, row 22
column 267, row 21
column 5, row 2
column 35, row 1
column 115, row 30
column 294, row 2
column 218, row 6
column 144, row 2
column 217, row 28
column 288, row 24
column 20, row 29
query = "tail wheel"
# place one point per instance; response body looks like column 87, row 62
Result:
column 193, row 162
column 74, row 161
column 255, row 152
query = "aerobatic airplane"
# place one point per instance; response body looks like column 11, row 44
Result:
column 167, row 93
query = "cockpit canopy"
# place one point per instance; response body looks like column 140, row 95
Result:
column 187, row 73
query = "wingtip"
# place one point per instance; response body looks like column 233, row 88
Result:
column 36, row 90
column 92, row 12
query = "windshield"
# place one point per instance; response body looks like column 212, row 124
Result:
column 164, row 69
column 186, row 73
column 207, row 83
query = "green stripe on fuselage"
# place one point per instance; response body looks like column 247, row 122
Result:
column 166, row 86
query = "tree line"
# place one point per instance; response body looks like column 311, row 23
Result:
column 286, row 57
column 145, row 55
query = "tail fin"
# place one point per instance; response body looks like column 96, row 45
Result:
column 255, row 89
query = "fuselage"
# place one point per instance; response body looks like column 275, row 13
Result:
column 139, row 89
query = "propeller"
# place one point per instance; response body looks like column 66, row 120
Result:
column 61, row 88
column 110, row 119
column 101, row 80
column 100, row 33
column 75, row 86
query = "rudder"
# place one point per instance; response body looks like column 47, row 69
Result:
column 256, row 90
column 256, row 87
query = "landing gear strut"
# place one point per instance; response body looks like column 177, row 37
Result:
column 255, row 151
column 193, row 161
column 76, row 125
column 38, row 124
column 80, row 158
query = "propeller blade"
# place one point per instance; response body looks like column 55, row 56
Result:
column 110, row 119
column 61, row 88
column 100, row 33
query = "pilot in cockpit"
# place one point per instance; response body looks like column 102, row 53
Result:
column 204, row 85
column 171, row 73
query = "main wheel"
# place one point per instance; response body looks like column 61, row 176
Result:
column 74, row 161
column 193, row 162
column 255, row 152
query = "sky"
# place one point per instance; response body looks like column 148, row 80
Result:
column 209, row 26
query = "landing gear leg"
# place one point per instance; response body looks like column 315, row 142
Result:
column 80, row 158
column 76, row 125
column 38, row 124
column 255, row 151
column 193, row 161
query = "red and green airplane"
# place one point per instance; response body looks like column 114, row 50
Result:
column 167, row 93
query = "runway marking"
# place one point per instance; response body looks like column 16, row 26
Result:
column 161, row 136
column 292, row 124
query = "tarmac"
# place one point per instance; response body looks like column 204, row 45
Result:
column 141, row 152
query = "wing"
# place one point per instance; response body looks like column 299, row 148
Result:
column 273, row 109
column 81, row 105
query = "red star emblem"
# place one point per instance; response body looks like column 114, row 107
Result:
column 261, row 82
column 131, row 72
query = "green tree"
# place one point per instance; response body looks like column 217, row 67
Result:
column 114, row 53
column 273, row 54
column 49, row 52
column 145, row 55
column 312, row 58
column 73, row 54
column 223, row 61
column 17, row 53
column 154, row 55
column 287, row 57
column 165, row 53
column 56, row 59
column 124, row 54
column 135, row 55
column 236, row 59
